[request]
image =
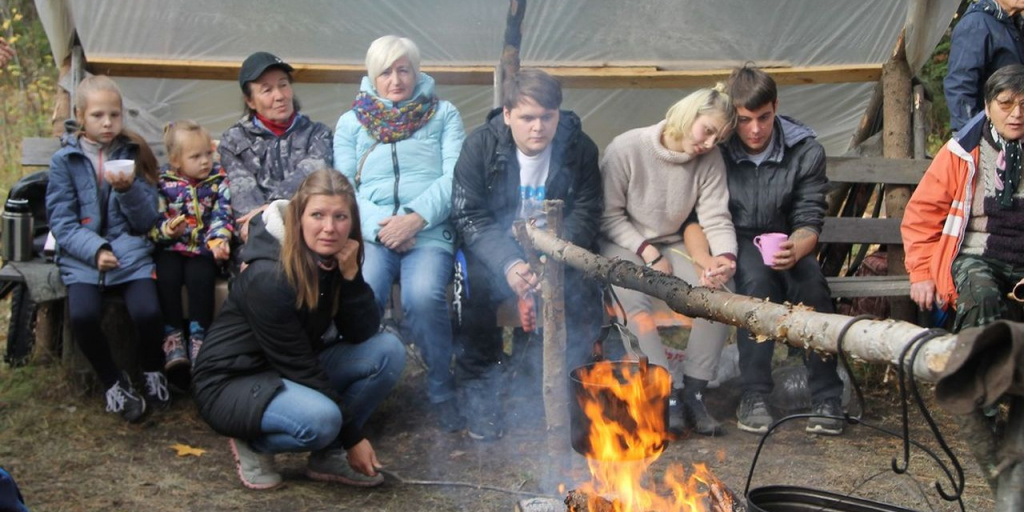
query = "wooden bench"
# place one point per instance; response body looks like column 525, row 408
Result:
column 868, row 231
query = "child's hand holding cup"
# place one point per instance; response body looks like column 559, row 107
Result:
column 119, row 173
column 769, row 244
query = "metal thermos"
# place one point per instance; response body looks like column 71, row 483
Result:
column 16, row 238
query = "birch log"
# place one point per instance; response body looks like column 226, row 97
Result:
column 875, row 341
column 556, row 393
column 896, row 143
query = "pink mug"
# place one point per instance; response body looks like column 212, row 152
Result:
column 768, row 244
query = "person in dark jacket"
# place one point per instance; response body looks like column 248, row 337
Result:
column 527, row 152
column 266, row 377
column 100, row 220
column 273, row 147
column 987, row 37
column 777, row 183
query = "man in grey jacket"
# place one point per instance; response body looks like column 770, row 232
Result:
column 777, row 184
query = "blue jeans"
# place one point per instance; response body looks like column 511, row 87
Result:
column 425, row 274
column 302, row 419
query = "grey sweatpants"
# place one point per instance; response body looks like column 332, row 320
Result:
column 706, row 338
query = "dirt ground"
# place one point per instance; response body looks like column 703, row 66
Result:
column 67, row 454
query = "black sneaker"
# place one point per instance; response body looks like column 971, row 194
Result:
column 696, row 416
column 485, row 427
column 676, row 423
column 753, row 414
column 449, row 419
column 156, row 392
column 124, row 400
column 828, row 418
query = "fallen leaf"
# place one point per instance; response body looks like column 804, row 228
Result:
column 185, row 450
column 456, row 454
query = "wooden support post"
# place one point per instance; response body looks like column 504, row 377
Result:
column 509, row 64
column 869, row 121
column 49, row 329
column 62, row 109
column 77, row 70
column 920, row 131
column 896, row 143
column 554, row 385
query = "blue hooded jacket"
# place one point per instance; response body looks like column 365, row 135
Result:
column 411, row 175
column 984, row 40
column 73, row 200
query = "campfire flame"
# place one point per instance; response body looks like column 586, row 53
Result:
column 625, row 404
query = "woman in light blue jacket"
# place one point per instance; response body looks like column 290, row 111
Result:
column 398, row 145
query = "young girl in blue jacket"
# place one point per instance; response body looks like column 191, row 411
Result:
column 100, row 220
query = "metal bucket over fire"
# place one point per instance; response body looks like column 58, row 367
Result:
column 589, row 386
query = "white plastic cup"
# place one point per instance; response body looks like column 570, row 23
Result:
column 119, row 168
column 768, row 244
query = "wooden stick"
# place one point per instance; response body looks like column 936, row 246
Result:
column 876, row 341
column 509, row 64
column 444, row 483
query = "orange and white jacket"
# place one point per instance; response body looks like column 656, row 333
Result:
column 936, row 217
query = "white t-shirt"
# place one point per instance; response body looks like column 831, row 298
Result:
column 760, row 157
column 533, row 174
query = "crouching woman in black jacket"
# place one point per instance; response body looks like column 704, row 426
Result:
column 266, row 378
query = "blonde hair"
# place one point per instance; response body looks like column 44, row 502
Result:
column 175, row 129
column 146, row 165
column 708, row 101
column 386, row 50
column 298, row 260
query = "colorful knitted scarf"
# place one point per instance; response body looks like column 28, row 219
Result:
column 1008, row 168
column 389, row 125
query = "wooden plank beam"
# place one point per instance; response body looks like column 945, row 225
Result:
column 37, row 151
column 578, row 77
column 897, row 171
column 869, row 286
column 857, row 230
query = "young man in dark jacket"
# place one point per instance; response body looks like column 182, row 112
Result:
column 777, row 184
column 987, row 37
column 527, row 152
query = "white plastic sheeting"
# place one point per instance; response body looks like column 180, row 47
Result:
column 671, row 34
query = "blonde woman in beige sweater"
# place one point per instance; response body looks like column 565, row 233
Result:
column 655, row 178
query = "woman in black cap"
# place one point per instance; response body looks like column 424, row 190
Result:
column 273, row 147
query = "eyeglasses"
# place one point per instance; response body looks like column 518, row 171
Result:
column 1007, row 105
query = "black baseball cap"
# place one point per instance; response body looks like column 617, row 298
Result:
column 257, row 63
